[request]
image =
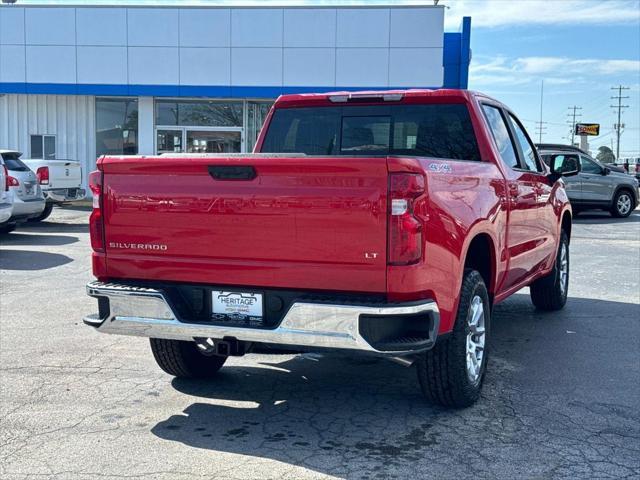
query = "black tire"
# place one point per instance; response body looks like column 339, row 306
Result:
column 7, row 228
column 183, row 359
column 442, row 371
column 620, row 208
column 548, row 293
column 45, row 213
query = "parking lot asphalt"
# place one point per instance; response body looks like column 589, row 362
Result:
column 561, row 398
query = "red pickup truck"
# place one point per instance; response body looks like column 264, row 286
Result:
column 387, row 223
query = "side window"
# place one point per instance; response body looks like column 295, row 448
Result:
column 589, row 166
column 501, row 135
column 43, row 146
column 528, row 150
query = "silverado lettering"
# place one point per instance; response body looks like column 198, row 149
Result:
column 138, row 246
column 443, row 191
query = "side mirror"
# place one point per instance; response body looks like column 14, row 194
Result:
column 564, row 165
column 606, row 171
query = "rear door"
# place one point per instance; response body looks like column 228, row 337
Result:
column 525, row 233
column 293, row 222
column 596, row 187
column 534, row 172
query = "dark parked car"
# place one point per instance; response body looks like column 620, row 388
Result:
column 597, row 186
column 615, row 168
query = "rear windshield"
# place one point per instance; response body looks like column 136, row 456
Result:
column 438, row 131
column 13, row 162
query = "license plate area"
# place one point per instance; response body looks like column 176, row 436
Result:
column 237, row 308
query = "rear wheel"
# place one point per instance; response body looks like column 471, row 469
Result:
column 451, row 373
column 550, row 292
column 45, row 213
column 185, row 359
column 623, row 204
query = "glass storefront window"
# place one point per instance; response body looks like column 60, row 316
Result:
column 199, row 113
column 116, row 126
column 256, row 115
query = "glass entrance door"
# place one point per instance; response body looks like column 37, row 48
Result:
column 200, row 140
column 169, row 141
column 207, row 141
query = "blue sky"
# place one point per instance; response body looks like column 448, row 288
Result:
column 579, row 48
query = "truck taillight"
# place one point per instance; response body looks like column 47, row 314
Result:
column 6, row 178
column 96, row 225
column 13, row 181
column 42, row 174
column 405, row 230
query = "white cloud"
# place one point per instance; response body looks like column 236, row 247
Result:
column 498, row 13
column 554, row 70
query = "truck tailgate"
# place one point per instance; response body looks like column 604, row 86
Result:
column 62, row 173
column 300, row 223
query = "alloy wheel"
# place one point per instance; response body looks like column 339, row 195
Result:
column 475, row 339
column 624, row 204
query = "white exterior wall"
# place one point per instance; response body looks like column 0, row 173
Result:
column 223, row 47
column 71, row 118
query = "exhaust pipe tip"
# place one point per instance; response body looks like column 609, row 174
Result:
column 405, row 361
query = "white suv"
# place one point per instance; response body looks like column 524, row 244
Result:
column 6, row 197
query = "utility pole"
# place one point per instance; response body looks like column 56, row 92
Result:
column 573, row 117
column 619, row 126
column 540, row 128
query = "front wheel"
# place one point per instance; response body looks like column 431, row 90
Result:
column 184, row 359
column 623, row 204
column 451, row 373
column 550, row 292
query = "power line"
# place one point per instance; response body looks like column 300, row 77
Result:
column 619, row 126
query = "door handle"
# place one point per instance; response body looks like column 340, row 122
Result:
column 513, row 190
column 232, row 172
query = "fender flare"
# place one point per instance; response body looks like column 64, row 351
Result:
column 624, row 186
column 483, row 227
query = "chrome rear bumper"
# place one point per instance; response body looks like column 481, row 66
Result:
column 146, row 312
column 65, row 194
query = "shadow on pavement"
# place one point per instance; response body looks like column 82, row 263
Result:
column 77, row 207
column 55, row 227
column 364, row 417
column 596, row 217
column 29, row 260
column 36, row 239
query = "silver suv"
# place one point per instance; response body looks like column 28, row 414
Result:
column 596, row 186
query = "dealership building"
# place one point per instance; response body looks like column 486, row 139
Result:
column 77, row 82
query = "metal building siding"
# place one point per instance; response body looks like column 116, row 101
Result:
column 71, row 118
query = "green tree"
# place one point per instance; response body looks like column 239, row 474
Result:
column 605, row 155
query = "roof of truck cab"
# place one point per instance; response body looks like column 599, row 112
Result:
column 408, row 96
